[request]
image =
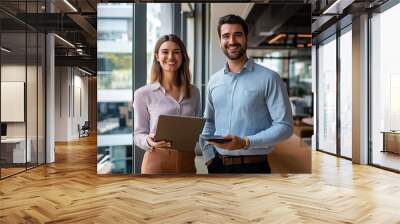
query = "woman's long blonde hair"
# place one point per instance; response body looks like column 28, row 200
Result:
column 183, row 73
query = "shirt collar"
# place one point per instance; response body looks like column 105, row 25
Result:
column 248, row 66
column 156, row 86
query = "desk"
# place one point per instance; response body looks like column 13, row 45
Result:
column 391, row 141
column 15, row 148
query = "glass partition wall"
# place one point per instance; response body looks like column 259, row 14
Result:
column 345, row 61
column 327, row 96
column 334, row 94
column 385, row 89
column 13, row 87
column 22, row 79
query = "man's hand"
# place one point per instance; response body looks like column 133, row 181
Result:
column 209, row 162
column 234, row 143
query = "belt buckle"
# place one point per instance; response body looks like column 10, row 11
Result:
column 235, row 160
column 227, row 160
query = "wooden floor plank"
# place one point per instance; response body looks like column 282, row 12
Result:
column 70, row 191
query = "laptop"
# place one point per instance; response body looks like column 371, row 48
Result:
column 182, row 131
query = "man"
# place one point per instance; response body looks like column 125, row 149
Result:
column 247, row 104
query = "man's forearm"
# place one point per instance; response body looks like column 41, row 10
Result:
column 270, row 136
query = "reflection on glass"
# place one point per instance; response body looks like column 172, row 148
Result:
column 41, row 98
column 22, row 76
column 153, row 26
column 31, row 100
column 385, row 114
column 346, row 95
column 114, row 83
column 114, row 159
column 116, row 71
column 276, row 61
column 300, row 77
column 300, row 87
column 327, row 97
column 294, row 67
column 114, row 118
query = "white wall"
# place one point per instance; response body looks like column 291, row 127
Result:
column 81, row 104
column 61, row 103
column 71, row 102
column 33, row 126
column 12, row 73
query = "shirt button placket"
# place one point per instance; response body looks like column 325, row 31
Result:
column 234, row 82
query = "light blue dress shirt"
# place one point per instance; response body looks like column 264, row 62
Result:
column 252, row 103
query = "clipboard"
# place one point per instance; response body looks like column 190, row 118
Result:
column 182, row 131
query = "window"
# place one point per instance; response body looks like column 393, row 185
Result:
column 385, row 88
column 153, row 32
column 327, row 96
column 346, row 94
column 114, row 85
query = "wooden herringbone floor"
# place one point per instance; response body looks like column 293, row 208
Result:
column 70, row 191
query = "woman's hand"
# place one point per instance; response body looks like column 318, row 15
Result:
column 163, row 145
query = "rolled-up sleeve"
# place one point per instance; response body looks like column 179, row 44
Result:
column 141, row 120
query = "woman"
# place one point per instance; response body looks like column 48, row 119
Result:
column 171, row 93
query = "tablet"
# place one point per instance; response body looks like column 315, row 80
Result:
column 182, row 131
column 215, row 138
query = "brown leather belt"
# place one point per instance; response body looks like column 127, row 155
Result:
column 238, row 160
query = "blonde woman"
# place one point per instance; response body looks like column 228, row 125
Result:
column 170, row 93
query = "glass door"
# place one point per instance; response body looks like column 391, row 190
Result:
column 327, row 96
column 14, row 154
column 385, row 89
column 346, row 92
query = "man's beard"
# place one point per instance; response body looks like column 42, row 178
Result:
column 242, row 51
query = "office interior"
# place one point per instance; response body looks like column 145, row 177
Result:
column 66, row 110
column 39, row 108
column 288, row 53
column 61, row 76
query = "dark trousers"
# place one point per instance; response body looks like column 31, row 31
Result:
column 217, row 166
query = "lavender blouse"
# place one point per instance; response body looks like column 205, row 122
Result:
column 151, row 100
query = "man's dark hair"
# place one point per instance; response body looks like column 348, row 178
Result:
column 232, row 19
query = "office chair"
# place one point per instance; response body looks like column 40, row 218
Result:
column 84, row 130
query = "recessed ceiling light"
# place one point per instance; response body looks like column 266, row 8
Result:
column 266, row 33
column 5, row 50
column 276, row 38
column 338, row 6
column 84, row 71
column 70, row 5
column 64, row 40
column 303, row 35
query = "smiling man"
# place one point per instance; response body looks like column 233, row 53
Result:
column 247, row 104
